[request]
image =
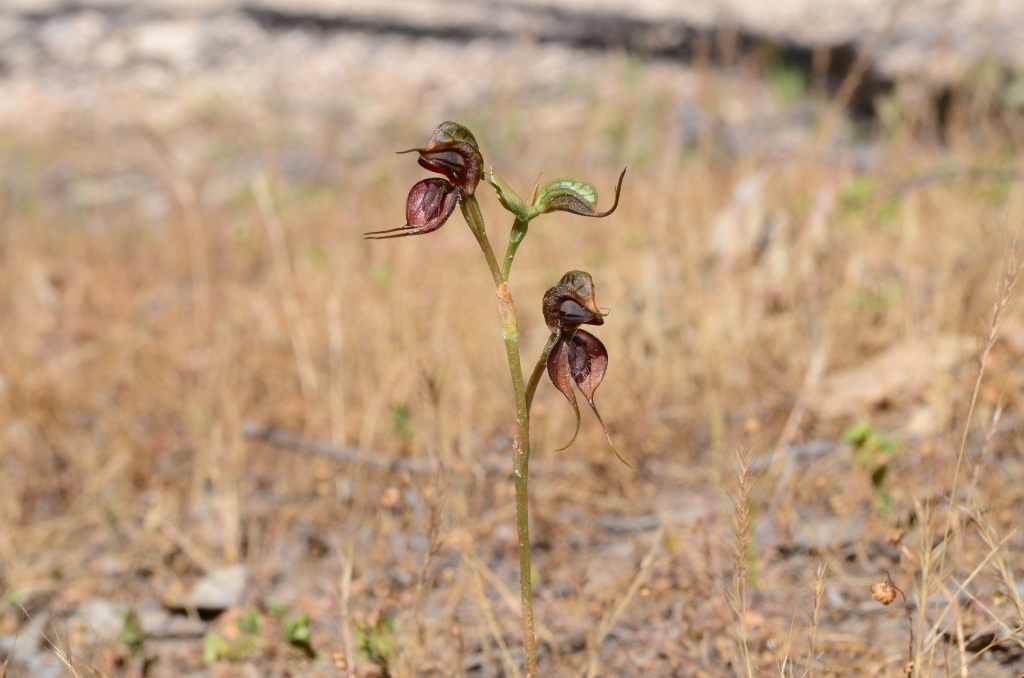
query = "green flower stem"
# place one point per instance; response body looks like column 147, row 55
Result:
column 471, row 211
column 538, row 371
column 521, row 443
column 519, row 229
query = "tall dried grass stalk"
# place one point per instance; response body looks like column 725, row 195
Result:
column 742, row 545
column 286, row 289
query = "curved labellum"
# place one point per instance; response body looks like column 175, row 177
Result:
column 453, row 152
column 579, row 358
column 427, row 208
column 570, row 303
column 572, row 195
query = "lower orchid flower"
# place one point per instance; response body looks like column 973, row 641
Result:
column 576, row 357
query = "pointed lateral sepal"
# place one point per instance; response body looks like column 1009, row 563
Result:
column 572, row 195
column 507, row 197
column 588, row 362
column 561, row 376
column 427, row 208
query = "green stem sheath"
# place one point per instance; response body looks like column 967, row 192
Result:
column 521, row 443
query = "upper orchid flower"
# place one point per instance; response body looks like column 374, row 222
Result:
column 452, row 152
column 575, row 356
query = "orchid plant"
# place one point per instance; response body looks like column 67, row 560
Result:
column 572, row 357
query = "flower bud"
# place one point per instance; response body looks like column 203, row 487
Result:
column 572, row 195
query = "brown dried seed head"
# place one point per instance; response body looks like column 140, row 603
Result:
column 884, row 592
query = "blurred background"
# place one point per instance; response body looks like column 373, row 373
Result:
column 236, row 439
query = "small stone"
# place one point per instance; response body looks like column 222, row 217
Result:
column 101, row 620
column 215, row 592
column 390, row 497
column 175, row 43
column 71, row 38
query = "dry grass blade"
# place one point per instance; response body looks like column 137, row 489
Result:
column 195, row 230
column 348, row 556
column 782, row 460
column 611, row 617
column 286, row 287
column 933, row 633
column 480, row 598
column 742, row 530
column 336, row 343
column 507, row 596
column 820, row 573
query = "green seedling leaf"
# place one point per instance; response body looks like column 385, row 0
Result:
column 671, row 543
column 857, row 434
column 296, row 634
column 788, row 82
column 297, row 629
column 377, row 643
column 883, row 502
column 857, row 194
column 131, row 632
column 277, row 610
column 214, row 648
column 873, row 450
column 401, row 420
column 249, row 624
